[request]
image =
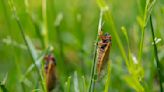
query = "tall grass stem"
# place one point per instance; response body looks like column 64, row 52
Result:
column 156, row 55
column 92, row 81
column 13, row 8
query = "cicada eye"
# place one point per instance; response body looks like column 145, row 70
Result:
column 106, row 34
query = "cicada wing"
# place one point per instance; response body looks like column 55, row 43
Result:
column 103, row 56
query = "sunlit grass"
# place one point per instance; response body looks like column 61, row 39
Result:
column 31, row 29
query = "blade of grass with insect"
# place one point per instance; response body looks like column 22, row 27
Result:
column 93, row 70
column 33, row 55
column 42, row 30
column 108, row 17
column 156, row 55
column 38, row 60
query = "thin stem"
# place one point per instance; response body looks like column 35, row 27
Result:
column 156, row 55
column 110, row 20
column 142, row 35
column 147, row 12
column 92, row 82
column 141, row 45
column 44, row 27
column 60, row 43
column 24, row 38
column 34, row 22
column 3, row 88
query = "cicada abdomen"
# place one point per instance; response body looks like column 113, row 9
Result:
column 50, row 73
column 103, row 51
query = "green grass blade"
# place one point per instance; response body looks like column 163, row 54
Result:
column 3, row 88
column 68, row 85
column 132, row 82
column 84, row 84
column 109, row 19
column 108, row 78
column 148, row 9
column 92, row 80
column 2, row 84
column 76, row 82
column 38, row 61
column 44, row 31
column 28, row 44
column 156, row 55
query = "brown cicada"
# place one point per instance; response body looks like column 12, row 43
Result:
column 103, row 50
column 50, row 73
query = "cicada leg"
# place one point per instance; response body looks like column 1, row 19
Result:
column 101, row 43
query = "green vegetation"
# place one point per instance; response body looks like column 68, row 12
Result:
column 31, row 29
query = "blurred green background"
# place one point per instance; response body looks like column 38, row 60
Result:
column 73, row 40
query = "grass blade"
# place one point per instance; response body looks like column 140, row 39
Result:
column 3, row 88
column 156, row 55
column 84, row 84
column 2, row 84
column 76, row 82
column 44, row 26
column 92, row 80
column 68, row 85
column 147, row 12
column 28, row 44
column 108, row 78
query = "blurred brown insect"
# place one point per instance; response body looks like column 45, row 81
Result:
column 50, row 72
column 103, row 50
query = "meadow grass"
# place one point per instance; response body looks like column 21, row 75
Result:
column 29, row 45
column 156, row 55
column 31, row 29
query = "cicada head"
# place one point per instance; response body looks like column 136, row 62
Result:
column 103, row 51
column 50, row 59
column 107, row 38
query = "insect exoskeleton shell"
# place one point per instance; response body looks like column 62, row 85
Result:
column 50, row 73
column 103, row 51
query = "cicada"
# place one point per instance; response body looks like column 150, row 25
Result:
column 50, row 73
column 103, row 50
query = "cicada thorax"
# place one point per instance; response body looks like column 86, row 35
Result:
column 50, row 74
column 103, row 51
